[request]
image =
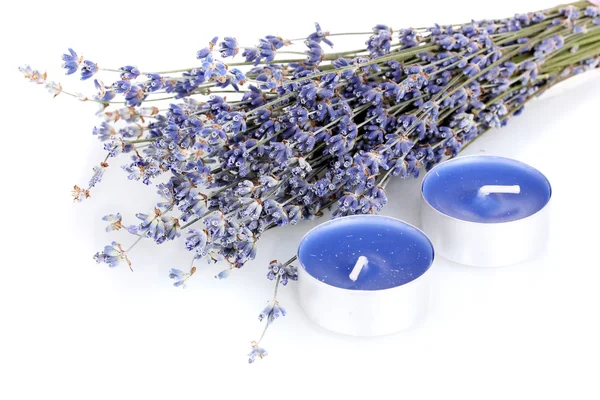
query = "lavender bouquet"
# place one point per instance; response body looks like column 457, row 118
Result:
column 277, row 136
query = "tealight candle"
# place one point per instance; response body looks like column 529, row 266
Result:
column 364, row 275
column 486, row 210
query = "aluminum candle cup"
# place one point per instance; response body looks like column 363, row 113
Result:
column 364, row 275
column 486, row 210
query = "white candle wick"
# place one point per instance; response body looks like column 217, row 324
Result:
column 360, row 264
column 489, row 189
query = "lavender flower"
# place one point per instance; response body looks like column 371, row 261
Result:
column 112, row 255
column 271, row 312
column 320, row 36
column 285, row 273
column 228, row 47
column 80, row 194
column 256, row 352
column 71, row 62
column 152, row 225
column 54, row 88
column 97, row 176
column 88, row 69
column 32, row 75
column 223, row 274
column 181, row 277
column 121, row 86
column 129, row 72
column 114, row 221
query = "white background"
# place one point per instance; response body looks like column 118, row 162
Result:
column 71, row 329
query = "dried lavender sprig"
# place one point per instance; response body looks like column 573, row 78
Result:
column 281, row 273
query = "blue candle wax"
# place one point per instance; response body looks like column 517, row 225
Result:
column 453, row 188
column 397, row 252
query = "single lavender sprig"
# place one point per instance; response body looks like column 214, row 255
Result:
column 281, row 273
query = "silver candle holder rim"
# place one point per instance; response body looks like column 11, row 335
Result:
column 455, row 159
column 360, row 292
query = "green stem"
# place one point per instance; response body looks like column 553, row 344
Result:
column 588, row 47
column 274, row 300
column 512, row 36
column 141, row 140
column 591, row 52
